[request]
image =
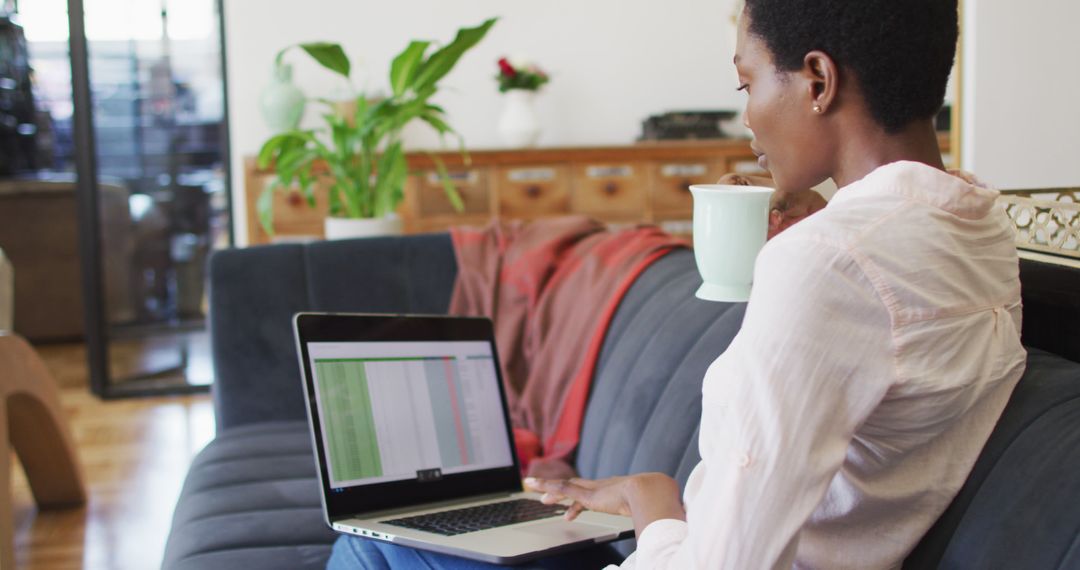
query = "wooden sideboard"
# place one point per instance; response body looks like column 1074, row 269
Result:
column 644, row 182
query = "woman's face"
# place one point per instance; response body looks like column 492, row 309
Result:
column 779, row 111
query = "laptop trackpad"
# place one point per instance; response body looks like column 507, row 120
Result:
column 568, row 532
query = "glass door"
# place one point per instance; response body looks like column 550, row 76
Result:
column 136, row 97
column 158, row 96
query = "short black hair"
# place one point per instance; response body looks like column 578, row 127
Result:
column 900, row 51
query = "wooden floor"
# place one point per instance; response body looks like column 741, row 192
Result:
column 134, row 453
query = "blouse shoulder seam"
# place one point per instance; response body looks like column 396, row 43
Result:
column 882, row 291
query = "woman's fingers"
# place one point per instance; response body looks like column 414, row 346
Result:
column 550, row 498
column 743, row 180
column 556, row 490
column 605, row 495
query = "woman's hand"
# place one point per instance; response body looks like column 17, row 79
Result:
column 786, row 207
column 646, row 497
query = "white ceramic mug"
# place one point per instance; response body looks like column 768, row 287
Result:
column 730, row 225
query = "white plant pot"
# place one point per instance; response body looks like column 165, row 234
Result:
column 518, row 125
column 347, row 228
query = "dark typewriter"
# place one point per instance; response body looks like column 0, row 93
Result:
column 680, row 125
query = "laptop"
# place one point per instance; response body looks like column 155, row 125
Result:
column 412, row 438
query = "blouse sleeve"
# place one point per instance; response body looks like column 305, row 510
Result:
column 780, row 407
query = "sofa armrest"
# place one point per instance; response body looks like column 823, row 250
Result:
column 254, row 293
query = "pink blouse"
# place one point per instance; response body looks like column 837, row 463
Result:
column 880, row 345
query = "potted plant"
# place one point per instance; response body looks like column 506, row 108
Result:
column 362, row 147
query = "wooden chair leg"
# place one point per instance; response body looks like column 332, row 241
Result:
column 33, row 423
column 7, row 511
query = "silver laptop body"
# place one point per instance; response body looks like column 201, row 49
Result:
column 408, row 417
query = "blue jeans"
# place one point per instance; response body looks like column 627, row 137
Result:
column 354, row 553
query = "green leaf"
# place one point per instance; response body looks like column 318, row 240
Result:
column 341, row 193
column 441, row 62
column 288, row 163
column 273, row 146
column 405, row 65
column 334, row 201
column 394, row 192
column 265, row 206
column 409, row 111
column 307, row 185
column 436, row 123
column 362, row 105
column 451, row 192
column 392, row 169
column 330, row 55
column 377, row 122
column 348, row 201
column 340, row 134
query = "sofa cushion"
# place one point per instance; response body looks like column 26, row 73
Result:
column 645, row 404
column 251, row 499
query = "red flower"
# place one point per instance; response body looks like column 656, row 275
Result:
column 506, row 69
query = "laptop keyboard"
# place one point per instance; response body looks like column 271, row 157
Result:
column 472, row 519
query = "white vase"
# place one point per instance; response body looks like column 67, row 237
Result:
column 282, row 102
column 348, row 228
column 518, row 125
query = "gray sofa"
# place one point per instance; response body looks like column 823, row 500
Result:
column 250, row 499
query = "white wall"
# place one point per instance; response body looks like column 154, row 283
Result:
column 612, row 62
column 1021, row 90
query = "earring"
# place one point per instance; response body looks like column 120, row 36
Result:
column 817, row 108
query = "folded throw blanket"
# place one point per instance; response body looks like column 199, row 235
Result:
column 552, row 287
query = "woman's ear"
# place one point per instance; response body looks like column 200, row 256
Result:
column 823, row 77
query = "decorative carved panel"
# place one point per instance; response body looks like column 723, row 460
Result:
column 1046, row 220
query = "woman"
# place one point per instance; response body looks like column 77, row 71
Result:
column 881, row 341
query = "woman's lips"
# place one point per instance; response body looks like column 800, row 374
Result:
column 762, row 161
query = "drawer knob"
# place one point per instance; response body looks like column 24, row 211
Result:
column 532, row 191
column 611, row 188
column 294, row 199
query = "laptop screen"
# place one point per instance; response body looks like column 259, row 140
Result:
column 394, row 411
column 404, row 410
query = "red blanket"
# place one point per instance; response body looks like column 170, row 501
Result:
column 552, row 287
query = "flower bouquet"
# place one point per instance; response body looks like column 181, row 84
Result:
column 518, row 74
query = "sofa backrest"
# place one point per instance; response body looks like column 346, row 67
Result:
column 254, row 293
column 645, row 403
column 1018, row 508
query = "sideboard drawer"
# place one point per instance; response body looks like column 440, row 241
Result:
column 471, row 184
column 293, row 216
column 672, row 181
column 444, row 223
column 611, row 190
column 532, row 191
